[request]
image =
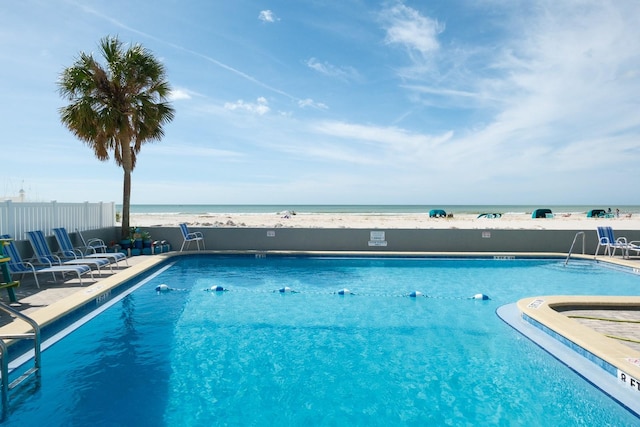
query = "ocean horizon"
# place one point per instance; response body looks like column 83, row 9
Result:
column 203, row 209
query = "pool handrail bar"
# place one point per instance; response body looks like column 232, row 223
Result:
column 573, row 244
column 4, row 363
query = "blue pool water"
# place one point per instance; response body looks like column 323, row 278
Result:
column 251, row 356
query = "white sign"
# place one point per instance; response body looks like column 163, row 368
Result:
column 376, row 238
column 271, row 233
column 376, row 235
column 536, row 303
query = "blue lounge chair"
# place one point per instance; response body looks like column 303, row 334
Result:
column 188, row 237
column 44, row 255
column 68, row 250
column 610, row 244
column 18, row 266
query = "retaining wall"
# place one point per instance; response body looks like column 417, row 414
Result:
column 364, row 240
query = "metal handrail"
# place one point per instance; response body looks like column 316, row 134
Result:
column 573, row 244
column 4, row 363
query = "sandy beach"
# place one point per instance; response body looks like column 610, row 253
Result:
column 381, row 221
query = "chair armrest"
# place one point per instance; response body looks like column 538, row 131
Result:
column 74, row 253
column 37, row 261
column 96, row 245
column 621, row 240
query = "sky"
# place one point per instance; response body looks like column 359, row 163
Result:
column 340, row 102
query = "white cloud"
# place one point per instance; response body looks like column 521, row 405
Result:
column 303, row 103
column 267, row 16
column 180, row 93
column 407, row 27
column 259, row 107
column 387, row 135
column 344, row 73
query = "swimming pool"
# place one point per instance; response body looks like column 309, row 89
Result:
column 252, row 356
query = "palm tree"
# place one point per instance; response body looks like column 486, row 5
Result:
column 117, row 108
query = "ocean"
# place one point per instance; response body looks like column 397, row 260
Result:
column 368, row 209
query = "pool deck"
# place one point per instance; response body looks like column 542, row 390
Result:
column 604, row 328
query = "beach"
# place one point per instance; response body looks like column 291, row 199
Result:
column 288, row 219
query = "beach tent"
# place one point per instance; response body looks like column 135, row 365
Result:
column 437, row 213
column 542, row 213
column 596, row 213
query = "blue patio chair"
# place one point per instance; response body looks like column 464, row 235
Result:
column 68, row 250
column 610, row 244
column 44, row 255
column 188, row 237
column 18, row 266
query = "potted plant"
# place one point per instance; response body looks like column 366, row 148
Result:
column 136, row 237
column 146, row 239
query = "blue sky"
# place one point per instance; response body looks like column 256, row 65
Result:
column 350, row 101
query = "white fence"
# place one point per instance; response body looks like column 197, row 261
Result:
column 18, row 218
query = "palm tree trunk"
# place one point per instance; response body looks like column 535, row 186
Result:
column 126, row 202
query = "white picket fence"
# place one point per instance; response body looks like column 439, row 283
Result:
column 18, row 218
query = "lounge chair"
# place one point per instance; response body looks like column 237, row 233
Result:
column 610, row 244
column 44, row 255
column 18, row 266
column 68, row 250
column 188, row 237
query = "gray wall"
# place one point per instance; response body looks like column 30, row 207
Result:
column 342, row 239
column 401, row 240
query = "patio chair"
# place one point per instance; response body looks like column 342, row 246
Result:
column 44, row 255
column 188, row 237
column 610, row 244
column 18, row 266
column 68, row 250
column 92, row 245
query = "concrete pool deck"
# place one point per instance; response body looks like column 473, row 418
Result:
column 602, row 327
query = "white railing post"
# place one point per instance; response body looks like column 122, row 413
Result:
column 11, row 218
column 101, row 214
column 55, row 216
column 87, row 217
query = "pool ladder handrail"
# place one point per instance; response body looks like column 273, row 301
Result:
column 4, row 363
column 573, row 244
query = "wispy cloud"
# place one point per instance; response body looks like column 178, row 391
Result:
column 260, row 107
column 304, row 103
column 407, row 27
column 179, row 93
column 267, row 16
column 190, row 150
column 340, row 72
column 391, row 136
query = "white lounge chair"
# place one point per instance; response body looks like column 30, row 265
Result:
column 68, row 250
column 18, row 266
column 44, row 255
column 610, row 244
column 189, row 237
